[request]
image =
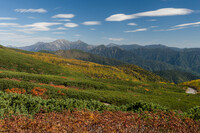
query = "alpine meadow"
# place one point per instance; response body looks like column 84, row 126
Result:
column 137, row 70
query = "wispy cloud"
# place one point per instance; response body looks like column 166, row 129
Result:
column 7, row 18
column 91, row 23
column 71, row 25
column 58, row 32
column 92, row 29
column 152, row 20
column 153, row 26
column 171, row 29
column 40, row 10
column 137, row 30
column 181, row 26
column 61, row 28
column 9, row 25
column 40, row 26
column 77, row 35
column 15, row 39
column 132, row 24
column 115, row 39
column 188, row 24
column 63, row 16
column 155, row 13
column 31, row 17
column 67, row 20
column 30, row 28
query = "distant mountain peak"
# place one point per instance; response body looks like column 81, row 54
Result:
column 62, row 41
column 112, row 45
column 79, row 42
column 60, row 44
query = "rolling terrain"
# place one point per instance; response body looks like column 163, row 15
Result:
column 39, row 84
column 155, row 58
column 85, row 56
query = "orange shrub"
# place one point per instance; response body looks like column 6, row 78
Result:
column 61, row 93
column 15, row 90
column 37, row 91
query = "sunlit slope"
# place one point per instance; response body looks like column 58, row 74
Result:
column 96, row 70
column 194, row 83
column 15, row 60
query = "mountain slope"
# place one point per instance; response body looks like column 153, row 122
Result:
column 17, row 60
column 130, row 57
column 80, row 55
column 150, row 57
column 188, row 59
column 177, row 76
column 95, row 70
column 60, row 44
column 34, row 62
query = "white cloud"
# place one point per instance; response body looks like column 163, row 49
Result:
column 92, row 29
column 171, row 29
column 40, row 26
column 115, row 39
column 14, row 39
column 71, row 25
column 188, row 24
column 181, row 26
column 9, row 25
column 143, row 29
column 153, row 26
column 91, row 23
column 61, row 28
column 132, row 24
column 30, row 28
column 58, row 32
column 31, row 17
column 67, row 20
column 152, row 20
column 7, row 18
column 77, row 35
column 63, row 16
column 120, row 17
column 155, row 13
column 40, row 10
column 3, row 30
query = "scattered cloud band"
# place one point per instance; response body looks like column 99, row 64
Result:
column 7, row 18
column 137, row 30
column 155, row 13
column 116, row 39
column 91, row 23
column 40, row 10
column 67, row 16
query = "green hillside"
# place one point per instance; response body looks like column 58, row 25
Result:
column 177, row 76
column 188, row 59
column 16, row 60
column 33, row 83
column 80, row 55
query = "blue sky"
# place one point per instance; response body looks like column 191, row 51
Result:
column 169, row 22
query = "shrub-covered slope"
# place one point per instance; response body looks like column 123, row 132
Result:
column 177, row 76
column 80, row 55
column 16, row 60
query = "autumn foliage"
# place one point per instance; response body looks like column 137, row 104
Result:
column 15, row 90
column 37, row 91
column 95, row 122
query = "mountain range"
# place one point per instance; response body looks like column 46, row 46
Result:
column 156, row 58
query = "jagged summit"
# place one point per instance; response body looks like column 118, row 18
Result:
column 61, row 41
column 60, row 44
